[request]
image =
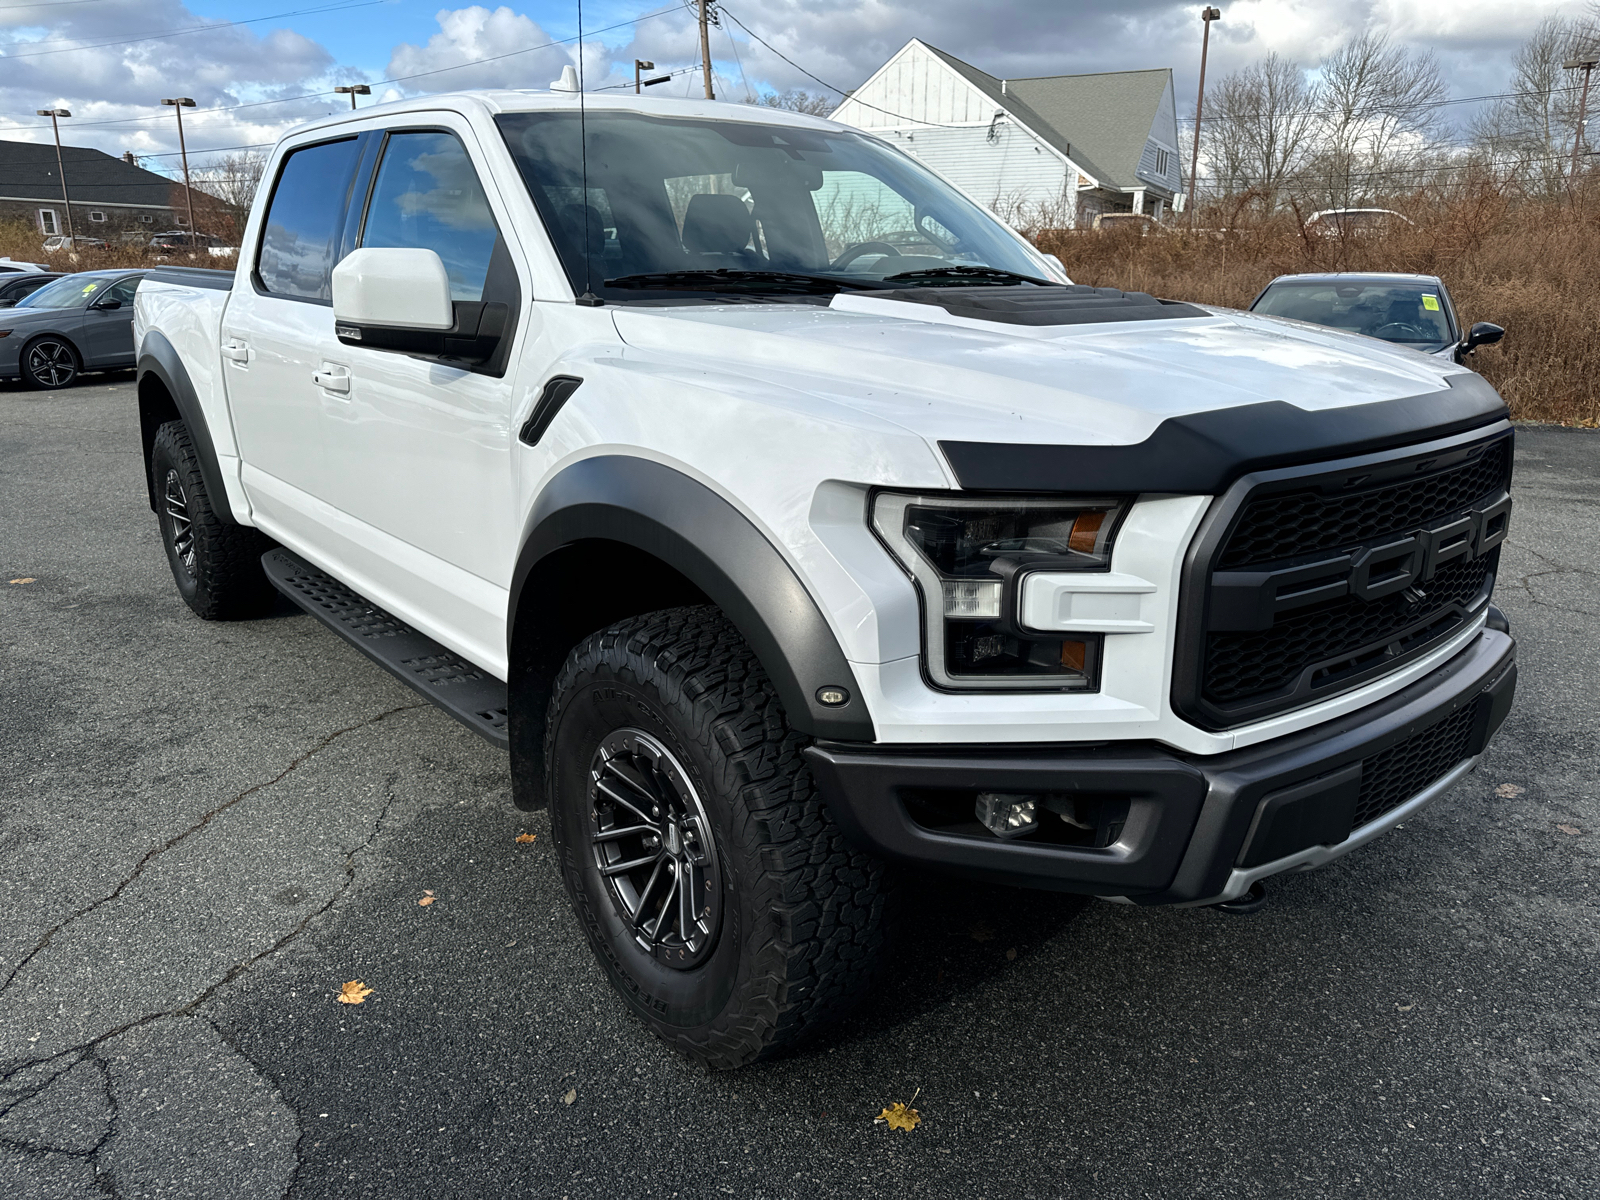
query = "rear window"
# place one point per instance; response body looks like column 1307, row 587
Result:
column 304, row 220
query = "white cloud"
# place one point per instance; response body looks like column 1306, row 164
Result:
column 471, row 35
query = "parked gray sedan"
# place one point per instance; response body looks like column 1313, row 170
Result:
column 81, row 322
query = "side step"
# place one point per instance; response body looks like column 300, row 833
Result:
column 467, row 692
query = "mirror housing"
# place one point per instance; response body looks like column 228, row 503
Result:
column 398, row 298
column 1482, row 334
column 106, row 305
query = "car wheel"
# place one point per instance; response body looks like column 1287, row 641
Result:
column 50, row 362
column 720, row 898
column 215, row 563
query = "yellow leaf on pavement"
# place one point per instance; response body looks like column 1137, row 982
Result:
column 900, row 1117
column 24, row 579
column 524, row 839
column 354, row 992
column 425, row 901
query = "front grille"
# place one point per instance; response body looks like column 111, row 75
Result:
column 1391, row 777
column 1262, row 662
column 1232, row 671
column 1305, row 522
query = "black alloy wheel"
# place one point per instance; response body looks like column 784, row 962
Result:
column 50, row 362
column 179, row 529
column 652, row 843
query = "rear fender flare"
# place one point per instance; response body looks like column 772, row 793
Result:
column 159, row 359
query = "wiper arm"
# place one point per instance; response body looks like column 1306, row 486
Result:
column 722, row 277
column 936, row 275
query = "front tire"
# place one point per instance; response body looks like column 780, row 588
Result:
column 50, row 362
column 215, row 563
column 674, row 777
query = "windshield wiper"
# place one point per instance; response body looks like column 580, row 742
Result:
column 958, row 275
column 789, row 282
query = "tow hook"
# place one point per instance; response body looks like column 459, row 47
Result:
column 1252, row 901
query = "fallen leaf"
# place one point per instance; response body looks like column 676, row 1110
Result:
column 425, row 901
column 1570, row 830
column 570, row 1098
column 24, row 579
column 525, row 839
column 1507, row 790
column 1406, row 1007
column 898, row 1116
column 353, row 992
column 1011, row 954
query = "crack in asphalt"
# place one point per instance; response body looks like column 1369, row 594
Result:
column 178, row 838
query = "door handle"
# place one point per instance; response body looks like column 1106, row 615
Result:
column 236, row 352
column 335, row 379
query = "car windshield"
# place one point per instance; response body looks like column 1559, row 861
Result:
column 1409, row 313
column 70, row 291
column 695, row 205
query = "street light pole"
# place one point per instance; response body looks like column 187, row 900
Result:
column 640, row 65
column 178, row 105
column 1207, row 15
column 354, row 90
column 66, row 202
column 1585, row 63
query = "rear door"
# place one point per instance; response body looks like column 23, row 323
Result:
column 276, row 329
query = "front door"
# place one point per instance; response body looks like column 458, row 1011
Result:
column 274, row 333
column 423, row 448
column 107, row 337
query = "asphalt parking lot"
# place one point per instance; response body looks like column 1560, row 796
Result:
column 206, row 829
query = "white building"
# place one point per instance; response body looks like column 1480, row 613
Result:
column 1061, row 147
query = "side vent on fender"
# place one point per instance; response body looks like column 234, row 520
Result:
column 557, row 390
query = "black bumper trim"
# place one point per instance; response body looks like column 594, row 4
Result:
column 1188, row 815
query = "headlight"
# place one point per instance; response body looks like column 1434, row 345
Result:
column 969, row 558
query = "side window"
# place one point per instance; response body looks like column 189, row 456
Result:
column 300, row 237
column 123, row 291
column 427, row 195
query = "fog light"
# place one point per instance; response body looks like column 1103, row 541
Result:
column 1008, row 816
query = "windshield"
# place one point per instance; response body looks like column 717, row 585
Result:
column 70, row 291
column 1411, row 313
column 673, row 195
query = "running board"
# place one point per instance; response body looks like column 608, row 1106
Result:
column 467, row 692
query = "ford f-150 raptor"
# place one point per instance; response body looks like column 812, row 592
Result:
column 785, row 515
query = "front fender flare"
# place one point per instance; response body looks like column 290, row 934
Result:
column 683, row 523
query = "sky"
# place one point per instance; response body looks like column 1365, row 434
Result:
column 256, row 67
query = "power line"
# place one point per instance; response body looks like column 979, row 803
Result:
column 156, row 37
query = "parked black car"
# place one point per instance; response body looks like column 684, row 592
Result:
column 1409, row 310
column 76, row 323
column 14, row 287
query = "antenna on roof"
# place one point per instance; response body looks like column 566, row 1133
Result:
column 588, row 299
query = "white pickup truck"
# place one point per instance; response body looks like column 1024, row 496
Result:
column 785, row 515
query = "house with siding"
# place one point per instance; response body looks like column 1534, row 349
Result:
column 111, row 197
column 1056, row 150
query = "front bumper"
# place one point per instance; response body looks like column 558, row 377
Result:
column 1188, row 829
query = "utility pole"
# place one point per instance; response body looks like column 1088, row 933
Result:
column 1207, row 15
column 705, row 47
column 353, row 90
column 178, row 105
column 66, row 203
column 1585, row 63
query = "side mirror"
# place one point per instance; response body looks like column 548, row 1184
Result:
column 398, row 298
column 1481, row 334
column 106, row 305
column 8, row 303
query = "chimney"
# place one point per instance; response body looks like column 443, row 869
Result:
column 127, row 157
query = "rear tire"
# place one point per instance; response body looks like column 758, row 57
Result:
column 215, row 563
column 666, row 724
column 50, row 362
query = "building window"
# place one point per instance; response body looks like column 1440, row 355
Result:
column 1161, row 163
column 49, row 223
column 183, row 220
column 96, row 215
column 147, row 219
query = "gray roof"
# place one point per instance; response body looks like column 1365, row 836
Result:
column 1100, row 121
column 28, row 172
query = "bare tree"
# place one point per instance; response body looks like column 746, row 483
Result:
column 1527, row 135
column 801, row 101
column 232, row 180
column 1381, row 123
column 1256, row 129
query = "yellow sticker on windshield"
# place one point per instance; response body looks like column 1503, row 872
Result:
column 90, row 287
column 1431, row 303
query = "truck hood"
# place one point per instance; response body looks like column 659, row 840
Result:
column 950, row 378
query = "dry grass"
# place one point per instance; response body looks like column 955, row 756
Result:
column 1530, row 267
column 21, row 240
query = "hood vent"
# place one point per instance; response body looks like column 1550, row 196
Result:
column 1023, row 304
